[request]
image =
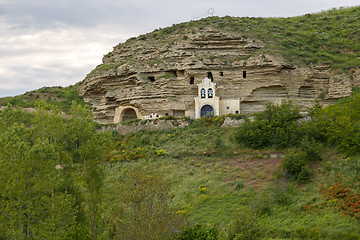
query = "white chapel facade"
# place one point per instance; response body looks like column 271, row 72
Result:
column 208, row 103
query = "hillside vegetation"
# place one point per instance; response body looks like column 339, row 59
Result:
column 61, row 97
column 330, row 37
column 64, row 179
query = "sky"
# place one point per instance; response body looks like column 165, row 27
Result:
column 58, row 42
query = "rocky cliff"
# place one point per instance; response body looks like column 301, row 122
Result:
column 158, row 73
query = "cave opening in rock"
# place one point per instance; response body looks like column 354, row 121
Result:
column 210, row 76
column 128, row 114
column 192, row 80
column 174, row 73
column 244, row 74
column 221, row 74
column 151, row 78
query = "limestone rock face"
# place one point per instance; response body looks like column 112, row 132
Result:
column 160, row 75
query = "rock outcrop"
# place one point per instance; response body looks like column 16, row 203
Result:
column 152, row 74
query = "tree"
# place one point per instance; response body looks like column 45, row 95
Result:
column 89, row 147
column 145, row 212
column 41, row 192
column 30, row 204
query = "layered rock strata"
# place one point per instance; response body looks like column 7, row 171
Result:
column 160, row 76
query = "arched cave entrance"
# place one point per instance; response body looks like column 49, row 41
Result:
column 207, row 110
column 128, row 114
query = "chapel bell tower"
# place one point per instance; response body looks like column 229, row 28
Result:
column 207, row 103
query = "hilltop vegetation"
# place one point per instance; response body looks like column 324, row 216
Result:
column 75, row 182
column 330, row 37
column 61, row 97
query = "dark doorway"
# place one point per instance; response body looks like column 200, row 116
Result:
column 192, row 80
column 244, row 74
column 210, row 76
column 128, row 114
column 207, row 110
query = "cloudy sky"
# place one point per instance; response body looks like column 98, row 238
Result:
column 58, row 42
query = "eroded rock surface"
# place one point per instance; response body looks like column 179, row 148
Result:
column 160, row 75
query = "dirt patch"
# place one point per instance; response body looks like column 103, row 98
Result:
column 256, row 173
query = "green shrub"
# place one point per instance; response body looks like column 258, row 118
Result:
column 312, row 149
column 198, row 232
column 276, row 126
column 295, row 166
column 236, row 116
column 244, row 227
column 169, row 117
column 239, row 185
column 339, row 124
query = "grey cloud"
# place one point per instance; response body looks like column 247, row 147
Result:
column 47, row 16
column 57, row 42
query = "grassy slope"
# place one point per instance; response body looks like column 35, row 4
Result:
column 213, row 180
column 330, row 37
column 60, row 97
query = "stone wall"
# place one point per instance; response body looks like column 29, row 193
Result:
column 158, row 124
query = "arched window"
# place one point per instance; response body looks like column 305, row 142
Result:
column 210, row 93
column 202, row 93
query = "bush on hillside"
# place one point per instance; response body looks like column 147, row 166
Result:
column 276, row 126
column 198, row 232
column 311, row 148
column 146, row 211
column 339, row 124
column 295, row 165
column 244, row 227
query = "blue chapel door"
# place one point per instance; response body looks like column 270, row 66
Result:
column 207, row 110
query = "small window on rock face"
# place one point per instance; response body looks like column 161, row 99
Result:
column 210, row 93
column 221, row 74
column 227, row 107
column 244, row 74
column 236, row 112
column 192, row 80
column 210, row 76
column 202, row 93
column 151, row 78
